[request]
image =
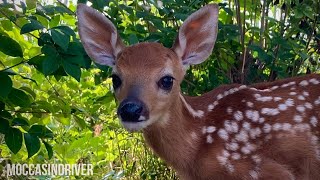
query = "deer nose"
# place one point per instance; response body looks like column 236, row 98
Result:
column 131, row 110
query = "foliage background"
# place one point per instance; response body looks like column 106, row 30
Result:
column 56, row 106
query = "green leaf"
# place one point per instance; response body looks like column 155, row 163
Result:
column 7, row 25
column 20, row 122
column 29, row 91
column 75, row 60
column 50, row 64
column 13, row 139
column 41, row 131
column 66, row 30
column 19, row 98
column 29, row 27
column 72, row 70
column 4, row 125
column 49, row 149
column 10, row 47
column 81, row 123
column 6, row 85
column 32, row 144
column 60, row 38
column 31, row 4
column 133, row 39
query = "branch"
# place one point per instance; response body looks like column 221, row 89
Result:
column 2, row 70
column 62, row 4
column 16, row 24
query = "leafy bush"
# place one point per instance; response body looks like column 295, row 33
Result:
column 56, row 106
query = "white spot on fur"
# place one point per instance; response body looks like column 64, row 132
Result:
column 274, row 87
column 270, row 111
column 256, row 159
column 248, row 148
column 223, row 134
column 229, row 110
column 304, row 83
column 289, row 102
column 211, row 129
column 246, row 126
column 286, row 126
column 257, row 95
column 282, row 107
column 277, row 99
column 301, row 127
column 305, row 93
column 266, row 128
column 254, row 174
column 308, row 105
column 254, row 133
column 297, row 118
column 242, row 87
column 233, row 146
column 242, row 136
column 253, row 115
column 300, row 108
column 292, row 93
column 209, row 139
column 314, row 81
column 194, row 113
column 317, row 101
column 249, row 104
column 264, row 98
column 194, row 136
column 210, row 107
column 314, row 121
column 219, row 96
column 277, row 126
column 235, row 156
column 231, row 126
column 261, row 120
column 238, row 115
column 204, row 130
column 302, row 98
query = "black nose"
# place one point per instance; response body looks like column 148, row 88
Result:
column 130, row 110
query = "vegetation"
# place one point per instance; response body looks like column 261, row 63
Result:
column 56, row 106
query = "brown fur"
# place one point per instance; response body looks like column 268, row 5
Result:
column 178, row 125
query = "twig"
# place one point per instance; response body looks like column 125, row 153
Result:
column 17, row 24
column 57, row 93
column 13, row 66
column 62, row 4
column 243, row 64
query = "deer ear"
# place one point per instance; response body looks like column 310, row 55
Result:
column 98, row 36
column 197, row 35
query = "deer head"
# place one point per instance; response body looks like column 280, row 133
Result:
column 146, row 76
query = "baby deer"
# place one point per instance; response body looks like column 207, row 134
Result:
column 264, row 131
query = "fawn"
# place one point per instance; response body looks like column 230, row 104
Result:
column 264, row 131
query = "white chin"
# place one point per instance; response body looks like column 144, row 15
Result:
column 134, row 126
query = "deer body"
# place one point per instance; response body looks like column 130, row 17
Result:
column 264, row 131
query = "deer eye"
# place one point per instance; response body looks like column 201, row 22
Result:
column 166, row 83
column 116, row 81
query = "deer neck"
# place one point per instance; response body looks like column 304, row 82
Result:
column 176, row 140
